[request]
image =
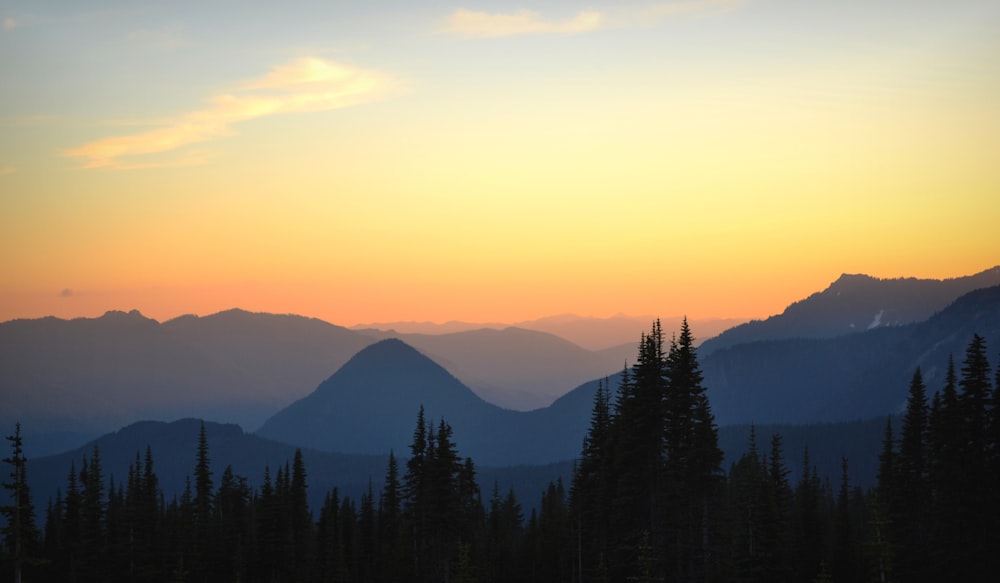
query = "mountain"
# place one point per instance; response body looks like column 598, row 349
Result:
column 854, row 376
column 594, row 334
column 370, row 405
column 516, row 368
column 856, row 303
column 600, row 334
column 285, row 355
column 89, row 374
column 69, row 380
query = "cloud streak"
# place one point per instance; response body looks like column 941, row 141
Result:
column 469, row 24
column 652, row 14
column 306, row 85
column 166, row 38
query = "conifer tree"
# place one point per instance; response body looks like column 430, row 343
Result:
column 908, row 519
column 389, row 524
column 367, row 536
column 21, row 537
column 810, row 528
column 69, row 553
column 842, row 558
column 694, row 476
column 593, row 485
column 93, row 536
column 748, row 501
column 202, row 508
column 637, row 437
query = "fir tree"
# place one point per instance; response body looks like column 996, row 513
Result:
column 202, row 509
column 22, row 540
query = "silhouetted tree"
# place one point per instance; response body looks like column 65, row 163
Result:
column 21, row 539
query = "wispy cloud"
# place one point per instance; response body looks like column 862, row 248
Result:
column 651, row 14
column 307, row 85
column 26, row 120
column 470, row 24
column 9, row 23
column 167, row 38
column 5, row 170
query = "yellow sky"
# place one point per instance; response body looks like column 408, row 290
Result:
column 484, row 162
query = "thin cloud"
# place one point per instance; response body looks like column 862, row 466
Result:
column 9, row 23
column 5, row 170
column 470, row 24
column 307, row 85
column 652, row 14
column 164, row 38
column 26, row 120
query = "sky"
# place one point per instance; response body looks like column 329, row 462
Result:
column 489, row 161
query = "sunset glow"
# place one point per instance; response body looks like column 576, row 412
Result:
column 484, row 161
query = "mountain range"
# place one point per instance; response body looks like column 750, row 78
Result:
column 830, row 392
column 69, row 380
column 84, row 377
column 596, row 334
column 370, row 404
column 854, row 303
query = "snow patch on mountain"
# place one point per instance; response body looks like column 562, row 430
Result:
column 877, row 321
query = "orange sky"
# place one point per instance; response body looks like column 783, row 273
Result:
column 459, row 161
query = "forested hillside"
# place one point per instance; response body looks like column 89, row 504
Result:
column 649, row 499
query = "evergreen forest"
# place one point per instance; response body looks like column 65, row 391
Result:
column 649, row 500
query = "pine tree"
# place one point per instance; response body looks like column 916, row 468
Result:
column 843, row 561
column 203, row 495
column 974, row 403
column 415, row 495
column 93, row 535
column 593, row 486
column 389, row 526
column 637, row 437
column 301, row 520
column 69, row 554
column 908, row 520
column 748, row 499
column 232, row 519
column 779, row 524
column 22, row 540
column 810, row 528
column 946, row 477
column 367, row 536
column 694, row 477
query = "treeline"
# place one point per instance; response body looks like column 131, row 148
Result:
column 649, row 501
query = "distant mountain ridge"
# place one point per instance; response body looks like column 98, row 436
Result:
column 72, row 379
column 516, row 368
column 853, row 376
column 595, row 334
column 89, row 375
column 370, row 405
column 854, row 303
column 69, row 380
